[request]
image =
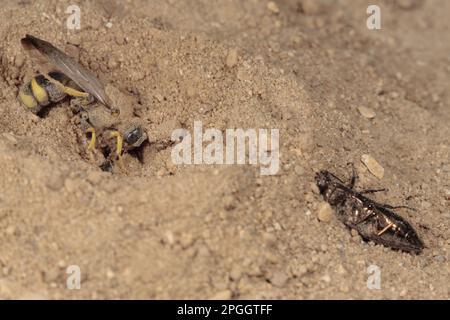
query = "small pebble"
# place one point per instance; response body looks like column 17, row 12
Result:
column 75, row 40
column 169, row 238
column 55, row 181
column 277, row 226
column 366, row 112
column 374, row 167
column 278, row 279
column 158, row 97
column 229, row 203
column 273, row 7
column 71, row 185
column 325, row 213
column 236, row 273
column 10, row 230
column 439, row 258
column 110, row 274
column 326, row 278
column 299, row 170
column 309, row 197
column 112, row 64
column 315, row 188
column 94, row 177
column 19, row 61
column 341, row 269
column 232, row 58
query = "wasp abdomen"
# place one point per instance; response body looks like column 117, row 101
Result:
column 27, row 98
column 39, row 93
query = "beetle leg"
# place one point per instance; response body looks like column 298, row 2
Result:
column 373, row 190
column 385, row 229
column 388, row 206
column 364, row 218
column 354, row 177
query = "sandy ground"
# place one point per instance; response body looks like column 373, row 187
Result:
column 166, row 231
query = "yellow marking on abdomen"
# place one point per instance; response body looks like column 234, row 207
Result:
column 27, row 99
column 39, row 92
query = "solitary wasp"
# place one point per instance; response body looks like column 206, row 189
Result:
column 112, row 119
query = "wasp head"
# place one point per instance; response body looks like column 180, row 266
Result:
column 134, row 136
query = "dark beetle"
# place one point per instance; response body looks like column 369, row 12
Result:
column 374, row 221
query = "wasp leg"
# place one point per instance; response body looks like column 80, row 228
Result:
column 75, row 93
column 119, row 146
column 373, row 190
column 68, row 90
column 92, row 143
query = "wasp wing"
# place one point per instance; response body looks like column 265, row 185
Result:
column 50, row 58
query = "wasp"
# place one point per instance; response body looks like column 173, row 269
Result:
column 60, row 76
column 372, row 220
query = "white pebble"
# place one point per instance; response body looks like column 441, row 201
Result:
column 366, row 112
column 325, row 213
column 232, row 58
column 374, row 167
column 273, row 7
